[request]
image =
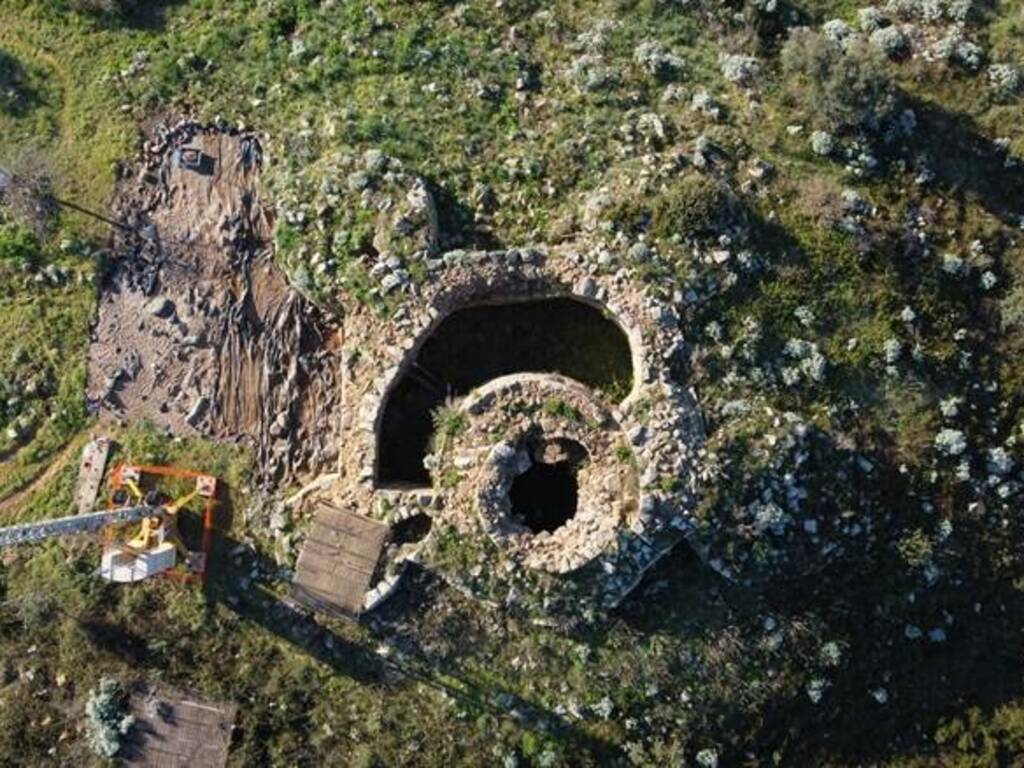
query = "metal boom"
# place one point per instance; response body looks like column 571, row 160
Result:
column 74, row 525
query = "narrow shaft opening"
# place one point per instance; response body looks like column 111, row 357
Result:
column 411, row 529
column 544, row 497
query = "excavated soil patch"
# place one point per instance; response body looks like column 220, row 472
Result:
column 198, row 331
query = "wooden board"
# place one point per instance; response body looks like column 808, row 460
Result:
column 338, row 560
column 175, row 729
column 90, row 473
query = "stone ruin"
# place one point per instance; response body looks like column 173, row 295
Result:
column 621, row 472
column 519, row 417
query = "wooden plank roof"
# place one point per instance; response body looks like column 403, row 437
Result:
column 337, row 562
column 175, row 729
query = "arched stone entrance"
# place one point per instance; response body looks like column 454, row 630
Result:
column 482, row 342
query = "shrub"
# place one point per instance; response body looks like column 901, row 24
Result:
column 981, row 737
column 34, row 610
column 17, row 245
column 870, row 19
column 704, row 103
column 915, row 548
column 848, row 86
column 838, row 31
column 562, row 409
column 823, row 143
column 931, row 11
column 959, row 51
column 697, row 205
column 449, row 421
column 106, row 719
column 739, row 69
column 1005, row 79
column 592, row 74
column 951, row 442
column 653, row 57
column 27, row 190
column 892, row 41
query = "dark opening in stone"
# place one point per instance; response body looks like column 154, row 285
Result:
column 474, row 345
column 544, row 497
column 411, row 529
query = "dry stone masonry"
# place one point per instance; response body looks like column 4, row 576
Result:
column 517, row 421
column 239, row 352
column 636, row 482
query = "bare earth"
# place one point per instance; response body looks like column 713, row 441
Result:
column 197, row 330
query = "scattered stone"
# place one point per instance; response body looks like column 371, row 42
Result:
column 197, row 411
column 822, row 143
column 160, row 306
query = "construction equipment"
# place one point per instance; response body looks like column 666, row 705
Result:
column 139, row 532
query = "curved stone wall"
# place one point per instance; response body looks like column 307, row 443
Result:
column 656, row 430
column 473, row 345
column 507, row 421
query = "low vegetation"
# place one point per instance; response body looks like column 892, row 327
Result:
column 834, row 209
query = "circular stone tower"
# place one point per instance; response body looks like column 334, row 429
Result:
column 530, row 407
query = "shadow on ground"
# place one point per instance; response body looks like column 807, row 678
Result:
column 394, row 660
column 967, row 164
column 17, row 96
column 859, row 594
column 132, row 14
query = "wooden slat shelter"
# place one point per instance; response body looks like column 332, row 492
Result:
column 177, row 729
column 337, row 563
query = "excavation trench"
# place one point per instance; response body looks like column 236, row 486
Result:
column 198, row 332
column 479, row 343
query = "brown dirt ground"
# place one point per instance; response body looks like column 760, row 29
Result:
column 198, row 331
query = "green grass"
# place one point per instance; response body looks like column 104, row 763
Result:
column 43, row 345
column 700, row 671
column 562, row 409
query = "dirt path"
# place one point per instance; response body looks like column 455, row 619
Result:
column 14, row 41
column 78, row 162
column 13, row 500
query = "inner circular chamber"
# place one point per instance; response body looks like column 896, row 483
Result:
column 474, row 345
column 544, row 497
